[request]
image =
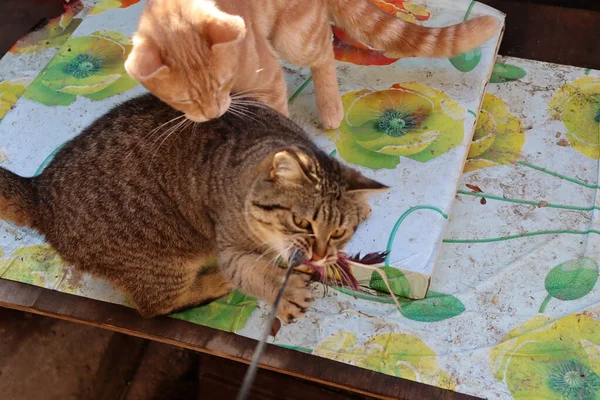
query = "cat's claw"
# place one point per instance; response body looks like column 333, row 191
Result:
column 296, row 298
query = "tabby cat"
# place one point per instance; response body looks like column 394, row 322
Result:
column 193, row 54
column 182, row 218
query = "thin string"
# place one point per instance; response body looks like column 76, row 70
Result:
column 260, row 347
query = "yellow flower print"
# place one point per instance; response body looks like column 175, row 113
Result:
column 498, row 138
column 396, row 354
column 551, row 359
column 37, row 265
column 10, row 91
column 409, row 119
column 89, row 66
column 104, row 5
column 577, row 104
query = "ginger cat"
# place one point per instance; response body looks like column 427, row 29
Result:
column 194, row 54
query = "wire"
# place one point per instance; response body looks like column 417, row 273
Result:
column 260, row 347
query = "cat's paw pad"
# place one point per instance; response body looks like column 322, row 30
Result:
column 296, row 298
column 331, row 114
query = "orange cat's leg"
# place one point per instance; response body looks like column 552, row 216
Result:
column 276, row 96
column 329, row 102
column 264, row 82
column 309, row 44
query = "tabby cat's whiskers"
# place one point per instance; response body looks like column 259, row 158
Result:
column 345, row 278
column 264, row 253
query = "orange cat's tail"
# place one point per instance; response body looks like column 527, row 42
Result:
column 367, row 23
column 16, row 198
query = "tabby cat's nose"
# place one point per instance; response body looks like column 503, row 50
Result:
column 318, row 254
column 316, row 257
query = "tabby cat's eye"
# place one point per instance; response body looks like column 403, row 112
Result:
column 301, row 223
column 338, row 233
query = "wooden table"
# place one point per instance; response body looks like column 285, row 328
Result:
column 534, row 31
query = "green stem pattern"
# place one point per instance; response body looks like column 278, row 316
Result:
column 468, row 13
column 556, row 174
column 297, row 348
column 533, row 203
column 529, row 234
column 365, row 296
column 47, row 160
column 300, row 89
column 399, row 222
column 544, row 304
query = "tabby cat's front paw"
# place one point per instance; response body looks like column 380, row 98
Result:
column 297, row 297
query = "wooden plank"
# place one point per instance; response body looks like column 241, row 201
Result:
column 551, row 34
column 222, row 344
column 17, row 295
column 218, row 375
column 581, row 4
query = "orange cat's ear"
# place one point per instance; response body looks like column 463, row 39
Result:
column 225, row 28
column 144, row 61
column 357, row 182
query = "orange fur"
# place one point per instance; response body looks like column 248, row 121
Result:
column 204, row 57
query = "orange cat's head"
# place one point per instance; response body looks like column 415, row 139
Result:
column 184, row 53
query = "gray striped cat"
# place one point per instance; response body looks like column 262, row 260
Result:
column 179, row 215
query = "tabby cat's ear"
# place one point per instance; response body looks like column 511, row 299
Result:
column 225, row 28
column 288, row 167
column 357, row 182
column 144, row 61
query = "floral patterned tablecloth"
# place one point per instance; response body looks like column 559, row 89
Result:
column 514, row 304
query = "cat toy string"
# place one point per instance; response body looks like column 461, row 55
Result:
column 297, row 259
column 345, row 272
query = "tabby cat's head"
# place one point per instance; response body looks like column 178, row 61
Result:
column 182, row 53
column 307, row 202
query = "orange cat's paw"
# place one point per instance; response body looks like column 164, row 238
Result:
column 296, row 298
column 331, row 113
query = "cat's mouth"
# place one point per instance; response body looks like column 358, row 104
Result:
column 326, row 270
column 196, row 118
column 212, row 113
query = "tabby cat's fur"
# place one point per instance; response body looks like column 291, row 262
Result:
column 179, row 223
column 193, row 53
